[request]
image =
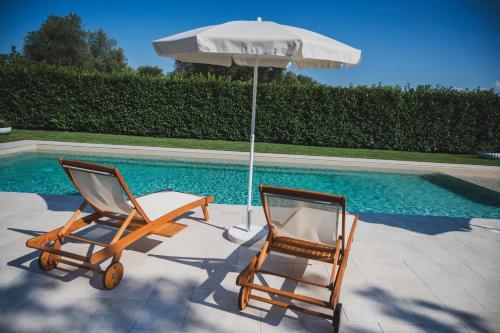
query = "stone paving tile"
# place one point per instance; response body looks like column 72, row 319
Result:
column 375, row 304
column 487, row 293
column 114, row 315
column 217, row 311
column 50, row 315
column 177, row 282
column 389, row 328
column 406, row 274
column 276, row 319
column 162, row 316
column 347, row 327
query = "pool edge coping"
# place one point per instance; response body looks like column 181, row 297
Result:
column 224, row 155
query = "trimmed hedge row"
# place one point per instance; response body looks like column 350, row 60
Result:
column 421, row 119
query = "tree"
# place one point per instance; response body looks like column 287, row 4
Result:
column 235, row 72
column 306, row 79
column 105, row 54
column 150, row 70
column 59, row 41
column 243, row 73
column 63, row 41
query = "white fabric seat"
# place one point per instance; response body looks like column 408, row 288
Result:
column 158, row 204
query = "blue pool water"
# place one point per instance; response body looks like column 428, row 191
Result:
column 419, row 194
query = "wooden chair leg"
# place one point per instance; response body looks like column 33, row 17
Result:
column 205, row 211
column 114, row 272
column 117, row 256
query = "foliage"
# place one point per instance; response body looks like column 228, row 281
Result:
column 424, row 119
column 488, row 147
column 63, row 41
column 239, row 73
column 4, row 123
column 150, row 70
column 106, row 56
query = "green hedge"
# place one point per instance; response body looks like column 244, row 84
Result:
column 421, row 119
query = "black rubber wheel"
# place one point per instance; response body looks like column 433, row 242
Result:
column 48, row 261
column 113, row 275
column 337, row 316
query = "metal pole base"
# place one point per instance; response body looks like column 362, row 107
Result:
column 238, row 234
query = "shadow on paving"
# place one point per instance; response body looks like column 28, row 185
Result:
column 31, row 303
column 22, row 297
column 426, row 225
column 464, row 189
column 217, row 270
column 100, row 233
column 391, row 306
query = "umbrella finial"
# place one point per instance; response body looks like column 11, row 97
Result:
column 259, row 19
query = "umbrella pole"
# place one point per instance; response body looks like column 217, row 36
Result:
column 252, row 142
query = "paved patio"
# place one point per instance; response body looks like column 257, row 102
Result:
column 406, row 274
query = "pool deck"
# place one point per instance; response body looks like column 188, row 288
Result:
column 485, row 176
column 405, row 274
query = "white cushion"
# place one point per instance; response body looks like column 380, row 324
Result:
column 158, row 204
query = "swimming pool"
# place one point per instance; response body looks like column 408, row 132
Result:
column 381, row 192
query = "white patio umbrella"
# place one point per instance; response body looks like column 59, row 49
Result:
column 256, row 43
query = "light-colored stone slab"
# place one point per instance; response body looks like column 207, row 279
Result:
column 405, row 275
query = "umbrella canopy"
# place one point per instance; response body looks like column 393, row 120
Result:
column 275, row 45
column 256, row 43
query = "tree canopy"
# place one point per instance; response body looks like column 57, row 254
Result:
column 235, row 72
column 64, row 41
column 150, row 70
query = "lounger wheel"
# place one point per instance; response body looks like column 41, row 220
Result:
column 113, row 275
column 337, row 315
column 48, row 261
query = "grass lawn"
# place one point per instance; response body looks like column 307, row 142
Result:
column 244, row 146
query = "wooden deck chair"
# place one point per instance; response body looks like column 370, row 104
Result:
column 104, row 189
column 303, row 224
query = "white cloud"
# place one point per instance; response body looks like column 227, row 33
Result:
column 497, row 84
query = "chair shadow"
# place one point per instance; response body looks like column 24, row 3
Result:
column 64, row 203
column 217, row 270
column 189, row 216
column 99, row 233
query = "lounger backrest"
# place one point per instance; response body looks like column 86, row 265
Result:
column 304, row 215
column 99, row 185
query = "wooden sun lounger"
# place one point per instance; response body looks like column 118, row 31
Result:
column 104, row 189
column 303, row 224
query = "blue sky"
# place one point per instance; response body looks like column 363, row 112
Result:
column 450, row 43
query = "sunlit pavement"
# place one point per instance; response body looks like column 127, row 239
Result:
column 406, row 274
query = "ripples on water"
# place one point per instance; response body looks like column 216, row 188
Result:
column 384, row 192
